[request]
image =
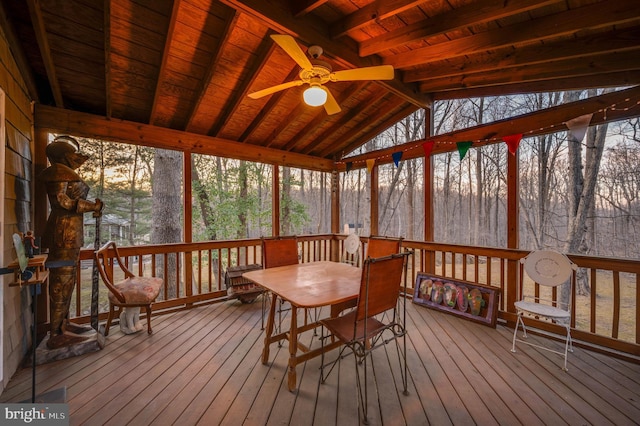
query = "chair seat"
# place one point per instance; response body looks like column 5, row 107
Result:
column 542, row 310
column 342, row 327
column 138, row 290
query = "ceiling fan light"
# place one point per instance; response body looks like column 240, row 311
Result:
column 314, row 96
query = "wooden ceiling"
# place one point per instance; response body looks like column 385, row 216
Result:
column 188, row 65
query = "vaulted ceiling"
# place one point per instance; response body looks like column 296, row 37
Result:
column 189, row 65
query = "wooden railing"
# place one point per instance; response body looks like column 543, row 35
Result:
column 607, row 317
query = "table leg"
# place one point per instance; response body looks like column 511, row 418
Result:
column 293, row 348
column 269, row 330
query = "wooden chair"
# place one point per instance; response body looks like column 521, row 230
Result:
column 363, row 329
column 376, row 247
column 382, row 246
column 278, row 251
column 132, row 291
column 551, row 269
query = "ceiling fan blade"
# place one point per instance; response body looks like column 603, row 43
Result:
column 380, row 72
column 273, row 89
column 331, row 106
column 292, row 48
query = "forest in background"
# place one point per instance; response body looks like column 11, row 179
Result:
column 576, row 196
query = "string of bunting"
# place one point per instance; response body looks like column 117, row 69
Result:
column 576, row 127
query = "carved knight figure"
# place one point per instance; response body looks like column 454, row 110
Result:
column 63, row 235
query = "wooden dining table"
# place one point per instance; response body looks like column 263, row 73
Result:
column 304, row 286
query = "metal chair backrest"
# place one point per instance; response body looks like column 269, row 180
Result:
column 380, row 285
column 548, row 267
column 279, row 252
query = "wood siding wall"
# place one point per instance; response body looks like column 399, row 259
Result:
column 17, row 204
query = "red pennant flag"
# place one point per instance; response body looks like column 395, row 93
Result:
column 428, row 147
column 512, row 142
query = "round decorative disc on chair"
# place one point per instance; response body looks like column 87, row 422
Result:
column 548, row 267
column 352, row 243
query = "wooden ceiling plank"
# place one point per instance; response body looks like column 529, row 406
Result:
column 595, row 15
column 267, row 108
column 465, row 16
column 19, row 54
column 45, row 51
column 549, row 120
column 230, row 22
column 107, row 58
column 300, row 8
column 165, row 56
column 262, row 56
column 58, row 120
column 616, row 79
column 382, row 125
column 313, row 31
column 567, row 68
column 625, row 40
column 301, row 141
column 371, row 13
column 291, row 118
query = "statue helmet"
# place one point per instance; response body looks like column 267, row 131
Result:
column 65, row 150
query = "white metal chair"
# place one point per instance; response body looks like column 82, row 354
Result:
column 551, row 269
column 351, row 250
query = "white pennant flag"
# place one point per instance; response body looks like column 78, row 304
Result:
column 578, row 126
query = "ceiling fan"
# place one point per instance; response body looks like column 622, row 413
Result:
column 316, row 73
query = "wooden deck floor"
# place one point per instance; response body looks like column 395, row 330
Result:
column 203, row 367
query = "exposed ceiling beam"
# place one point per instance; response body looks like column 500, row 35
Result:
column 373, row 12
column 43, row 43
column 379, row 128
column 165, row 57
column 595, row 15
column 229, row 22
column 550, row 120
column 619, row 79
column 302, row 7
column 58, row 120
column 298, row 141
column 327, row 136
column 312, row 31
column 605, row 63
column 625, row 40
column 267, row 108
column 262, row 55
column 474, row 13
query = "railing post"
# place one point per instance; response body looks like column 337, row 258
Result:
column 513, row 233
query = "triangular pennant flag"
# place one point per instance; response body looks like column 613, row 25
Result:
column 396, row 157
column 349, row 166
column 370, row 163
column 463, row 147
column 578, row 126
column 512, row 142
column 428, row 147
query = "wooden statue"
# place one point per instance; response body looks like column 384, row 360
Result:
column 63, row 234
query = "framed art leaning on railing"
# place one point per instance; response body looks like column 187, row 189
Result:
column 471, row 301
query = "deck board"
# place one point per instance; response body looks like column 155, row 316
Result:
column 203, row 366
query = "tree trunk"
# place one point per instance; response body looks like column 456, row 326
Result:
column 582, row 191
column 166, row 207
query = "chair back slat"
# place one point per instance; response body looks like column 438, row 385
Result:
column 279, row 252
column 379, row 247
column 379, row 285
